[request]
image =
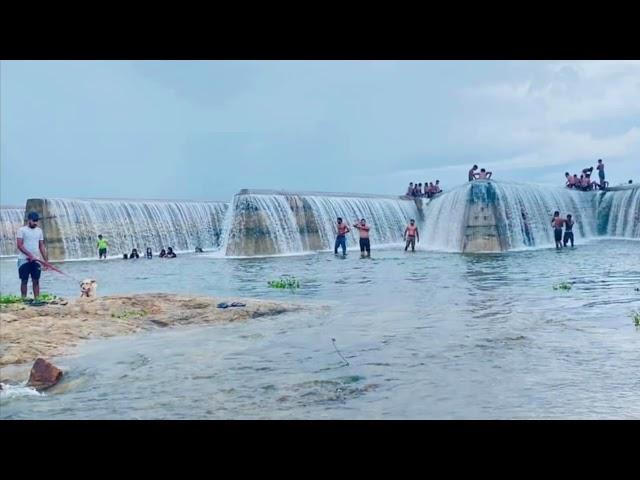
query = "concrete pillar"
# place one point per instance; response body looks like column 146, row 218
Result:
column 50, row 229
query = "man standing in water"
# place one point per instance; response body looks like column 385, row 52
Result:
column 410, row 235
column 29, row 241
column 557, row 221
column 341, row 238
column 568, row 231
column 102, row 247
column 363, row 228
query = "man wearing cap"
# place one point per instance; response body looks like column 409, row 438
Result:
column 30, row 241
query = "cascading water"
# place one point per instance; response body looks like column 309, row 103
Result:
column 287, row 223
column 619, row 213
column 522, row 214
column 128, row 224
column 444, row 220
column 11, row 219
column 386, row 217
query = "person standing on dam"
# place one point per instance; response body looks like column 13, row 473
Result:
column 557, row 221
column 102, row 247
column 341, row 238
column 600, row 168
column 410, row 235
column 472, row 173
column 365, row 245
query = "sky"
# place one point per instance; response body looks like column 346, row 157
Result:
column 203, row 130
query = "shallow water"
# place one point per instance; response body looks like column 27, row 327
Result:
column 426, row 335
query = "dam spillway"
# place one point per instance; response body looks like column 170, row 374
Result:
column 71, row 226
column 11, row 219
column 479, row 216
column 269, row 222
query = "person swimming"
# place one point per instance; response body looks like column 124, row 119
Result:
column 170, row 253
column 163, row 253
column 134, row 254
column 149, row 253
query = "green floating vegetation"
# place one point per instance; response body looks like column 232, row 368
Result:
column 563, row 286
column 11, row 299
column 636, row 318
column 285, row 282
column 127, row 314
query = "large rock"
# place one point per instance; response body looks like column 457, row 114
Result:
column 44, row 375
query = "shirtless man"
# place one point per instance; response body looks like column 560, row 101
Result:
column 341, row 238
column 568, row 231
column 365, row 245
column 600, row 168
column 557, row 221
column 472, row 173
column 410, row 190
column 410, row 235
column 570, row 181
column 483, row 175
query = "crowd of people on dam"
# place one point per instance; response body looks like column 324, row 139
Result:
column 584, row 183
column 430, row 189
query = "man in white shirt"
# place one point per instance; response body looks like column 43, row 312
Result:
column 30, row 241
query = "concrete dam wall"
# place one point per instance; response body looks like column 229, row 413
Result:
column 480, row 216
column 71, row 227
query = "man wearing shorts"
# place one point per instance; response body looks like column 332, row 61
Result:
column 102, row 247
column 341, row 238
column 30, row 241
column 410, row 235
column 568, row 231
column 363, row 228
column 557, row 221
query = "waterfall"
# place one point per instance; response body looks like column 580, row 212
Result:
column 387, row 217
column 288, row 223
column 128, row 224
column 525, row 212
column 11, row 219
column 521, row 214
column 444, row 220
column 619, row 213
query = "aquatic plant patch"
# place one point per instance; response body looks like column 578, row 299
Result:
column 563, row 286
column 285, row 282
column 636, row 318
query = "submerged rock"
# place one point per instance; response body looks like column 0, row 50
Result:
column 44, row 375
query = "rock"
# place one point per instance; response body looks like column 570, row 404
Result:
column 43, row 375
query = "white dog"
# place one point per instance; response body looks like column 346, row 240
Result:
column 88, row 288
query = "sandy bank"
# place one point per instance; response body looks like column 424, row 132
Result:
column 30, row 332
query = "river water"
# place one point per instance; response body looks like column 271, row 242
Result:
column 426, row 335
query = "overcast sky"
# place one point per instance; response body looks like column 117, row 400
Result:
column 205, row 129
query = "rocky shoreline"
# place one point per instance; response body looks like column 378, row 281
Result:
column 29, row 332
